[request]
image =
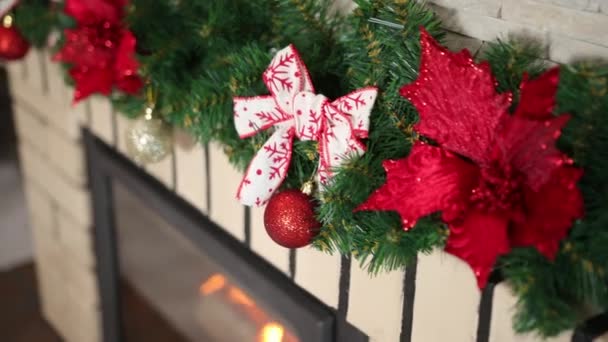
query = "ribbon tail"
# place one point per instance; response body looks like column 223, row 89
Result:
column 358, row 105
column 337, row 144
column 255, row 114
column 267, row 169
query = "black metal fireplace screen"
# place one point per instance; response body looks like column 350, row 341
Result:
column 309, row 319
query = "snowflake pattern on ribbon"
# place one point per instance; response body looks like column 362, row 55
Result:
column 294, row 110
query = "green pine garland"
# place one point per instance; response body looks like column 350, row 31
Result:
column 385, row 57
column 36, row 21
column 197, row 55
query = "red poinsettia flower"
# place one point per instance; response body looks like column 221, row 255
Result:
column 497, row 178
column 100, row 49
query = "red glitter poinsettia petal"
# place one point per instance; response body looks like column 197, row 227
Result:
column 69, row 52
column 551, row 212
column 537, row 96
column 126, row 65
column 457, row 101
column 479, row 240
column 130, row 85
column 430, row 179
column 80, row 50
column 91, row 81
column 529, row 146
column 94, row 11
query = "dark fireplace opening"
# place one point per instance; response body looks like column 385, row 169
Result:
column 196, row 299
column 165, row 268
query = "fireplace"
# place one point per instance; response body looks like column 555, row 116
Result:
column 196, row 296
column 196, row 282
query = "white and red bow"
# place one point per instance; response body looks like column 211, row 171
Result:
column 294, row 109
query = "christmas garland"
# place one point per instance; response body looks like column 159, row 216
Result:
column 411, row 147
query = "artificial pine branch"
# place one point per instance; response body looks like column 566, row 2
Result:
column 308, row 25
column 37, row 18
column 386, row 57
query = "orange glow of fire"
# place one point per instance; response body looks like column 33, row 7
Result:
column 271, row 332
column 215, row 283
column 238, row 296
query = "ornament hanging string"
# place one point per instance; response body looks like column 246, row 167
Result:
column 151, row 96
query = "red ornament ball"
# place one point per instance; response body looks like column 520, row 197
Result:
column 12, row 44
column 290, row 219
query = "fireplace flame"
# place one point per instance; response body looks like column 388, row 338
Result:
column 213, row 284
column 267, row 330
column 272, row 332
column 238, row 296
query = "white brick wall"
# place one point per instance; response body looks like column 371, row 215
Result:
column 582, row 5
column 375, row 303
column 261, row 243
column 163, row 170
column 488, row 8
column 225, row 210
column 579, row 25
column 122, row 125
column 319, row 273
column 73, row 198
column 191, row 166
column 53, row 165
column 446, row 296
column 102, row 117
column 571, row 29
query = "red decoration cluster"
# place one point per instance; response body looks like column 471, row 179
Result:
column 497, row 178
column 100, row 49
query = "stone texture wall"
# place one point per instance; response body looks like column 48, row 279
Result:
column 446, row 304
column 53, row 167
column 571, row 29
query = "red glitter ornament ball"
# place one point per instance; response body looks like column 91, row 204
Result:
column 290, row 219
column 12, row 44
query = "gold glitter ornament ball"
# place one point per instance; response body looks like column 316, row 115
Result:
column 290, row 220
column 149, row 140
